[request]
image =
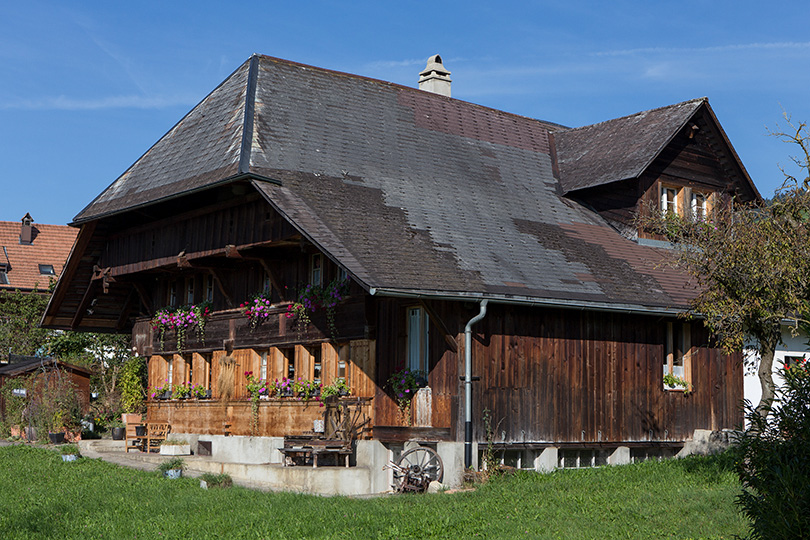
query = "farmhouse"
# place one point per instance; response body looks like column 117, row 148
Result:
column 495, row 253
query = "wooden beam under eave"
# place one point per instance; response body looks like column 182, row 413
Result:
column 122, row 319
column 141, row 290
column 82, row 240
column 273, row 278
column 81, row 310
column 221, row 287
column 434, row 318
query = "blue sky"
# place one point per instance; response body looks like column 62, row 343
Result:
column 86, row 88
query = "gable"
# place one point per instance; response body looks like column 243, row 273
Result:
column 28, row 266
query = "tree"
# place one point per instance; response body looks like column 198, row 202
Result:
column 751, row 265
column 19, row 322
column 773, row 464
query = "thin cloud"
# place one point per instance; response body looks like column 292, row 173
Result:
column 719, row 48
column 64, row 103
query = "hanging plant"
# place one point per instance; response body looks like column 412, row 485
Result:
column 314, row 297
column 256, row 388
column 180, row 320
column 257, row 309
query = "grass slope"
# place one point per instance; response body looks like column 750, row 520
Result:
column 42, row 497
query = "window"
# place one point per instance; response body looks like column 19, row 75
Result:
column 263, row 370
column 209, row 288
column 699, row 206
column 793, row 361
column 190, row 290
column 342, row 274
column 172, row 296
column 677, row 347
column 344, row 363
column 289, row 362
column 46, row 270
column 418, row 339
column 169, row 371
column 669, row 200
column 315, row 269
column 315, row 355
column 3, row 277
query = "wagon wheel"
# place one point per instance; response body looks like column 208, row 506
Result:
column 417, row 468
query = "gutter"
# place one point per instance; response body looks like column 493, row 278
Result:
column 528, row 301
column 468, row 435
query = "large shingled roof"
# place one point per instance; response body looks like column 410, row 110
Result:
column 413, row 192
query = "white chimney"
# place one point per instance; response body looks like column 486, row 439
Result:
column 435, row 77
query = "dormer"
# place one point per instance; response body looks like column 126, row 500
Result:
column 675, row 159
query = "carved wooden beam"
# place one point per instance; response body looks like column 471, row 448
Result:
column 84, row 305
column 128, row 305
column 141, row 290
column 221, row 287
column 435, row 319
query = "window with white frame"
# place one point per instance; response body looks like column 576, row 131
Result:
column 677, row 346
column 418, row 339
column 669, row 200
column 263, row 369
column 172, row 296
column 699, row 206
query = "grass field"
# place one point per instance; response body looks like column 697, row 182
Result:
column 42, row 497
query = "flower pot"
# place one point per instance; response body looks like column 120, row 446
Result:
column 131, row 418
column 140, row 431
column 175, row 449
column 173, row 473
column 69, row 457
column 57, row 437
column 343, row 393
column 118, row 433
column 166, row 395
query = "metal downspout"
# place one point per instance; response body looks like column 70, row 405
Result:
column 468, row 384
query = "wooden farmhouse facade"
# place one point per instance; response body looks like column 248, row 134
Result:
column 417, row 213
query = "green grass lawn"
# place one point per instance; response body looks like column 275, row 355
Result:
column 42, row 497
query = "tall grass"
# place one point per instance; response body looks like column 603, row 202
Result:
column 42, row 497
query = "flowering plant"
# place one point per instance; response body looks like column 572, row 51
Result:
column 405, row 383
column 181, row 390
column 337, row 388
column 314, row 297
column 158, row 391
column 677, row 383
column 180, row 320
column 198, row 391
column 284, row 387
column 257, row 310
column 255, row 387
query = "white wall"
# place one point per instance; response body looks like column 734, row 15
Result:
column 793, row 346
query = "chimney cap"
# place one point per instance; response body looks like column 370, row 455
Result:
column 435, row 67
column 27, row 219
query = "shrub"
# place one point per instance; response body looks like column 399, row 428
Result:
column 773, row 462
column 174, row 463
column 133, row 384
column 217, row 480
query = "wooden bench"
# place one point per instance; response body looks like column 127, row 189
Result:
column 300, row 450
column 156, row 433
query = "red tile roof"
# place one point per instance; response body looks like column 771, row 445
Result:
column 51, row 245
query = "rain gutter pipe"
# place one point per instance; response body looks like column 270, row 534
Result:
column 468, row 384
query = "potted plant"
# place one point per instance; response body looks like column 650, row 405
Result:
column 181, row 391
column 172, row 468
column 70, row 452
column 163, row 391
column 337, row 388
column 175, row 447
column 405, row 383
column 117, row 430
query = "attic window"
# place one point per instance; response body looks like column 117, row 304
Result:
column 46, row 270
column 3, row 276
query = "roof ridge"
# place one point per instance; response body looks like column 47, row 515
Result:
column 409, row 88
column 673, row 105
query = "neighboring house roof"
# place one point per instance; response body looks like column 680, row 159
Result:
column 623, row 148
column 412, row 192
column 27, row 266
column 31, row 364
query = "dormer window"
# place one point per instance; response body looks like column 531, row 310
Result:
column 46, row 270
column 699, row 206
column 669, row 200
column 3, row 274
